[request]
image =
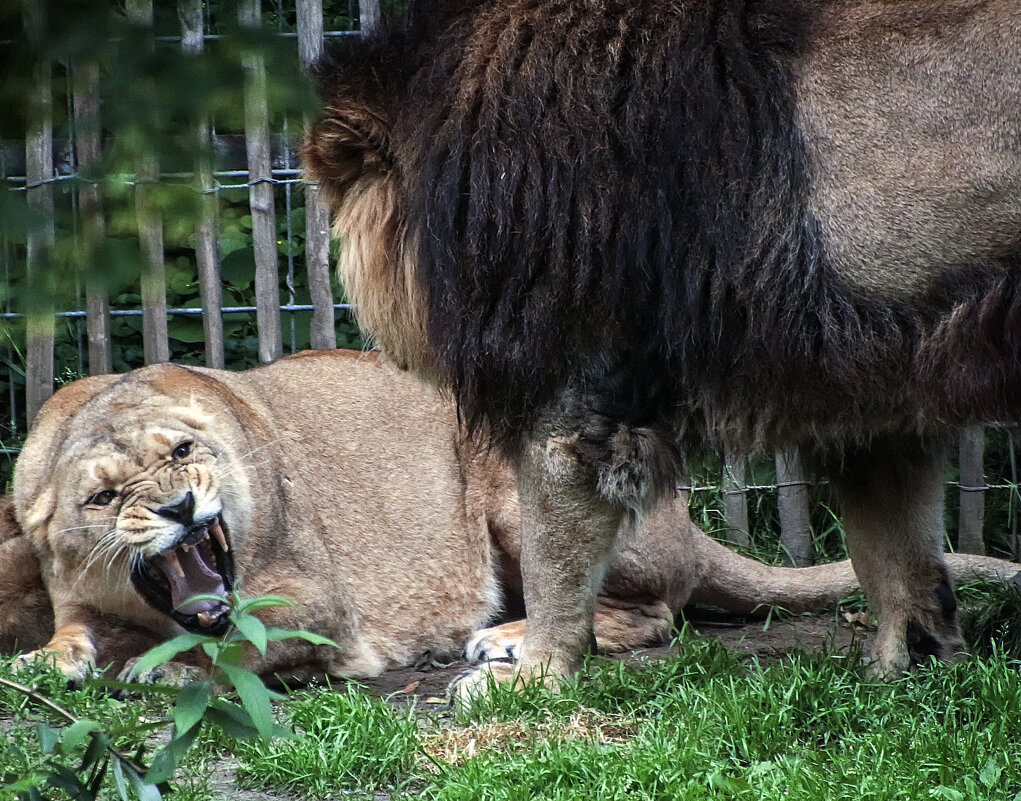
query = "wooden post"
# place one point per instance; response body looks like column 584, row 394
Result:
column 88, row 149
column 260, row 194
column 735, row 497
column 317, row 213
column 39, row 174
column 969, row 533
column 792, row 507
column 150, row 235
column 368, row 15
column 211, row 291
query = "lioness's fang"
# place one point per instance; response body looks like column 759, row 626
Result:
column 171, row 559
column 220, row 538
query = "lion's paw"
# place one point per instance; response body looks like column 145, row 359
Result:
column 898, row 647
column 496, row 642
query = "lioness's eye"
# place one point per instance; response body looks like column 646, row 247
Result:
column 182, row 450
column 104, row 498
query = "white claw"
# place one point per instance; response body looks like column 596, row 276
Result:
column 220, row 538
column 171, row 559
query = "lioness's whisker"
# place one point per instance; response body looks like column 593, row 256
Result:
column 82, row 528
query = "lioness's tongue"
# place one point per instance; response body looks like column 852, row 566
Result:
column 199, row 579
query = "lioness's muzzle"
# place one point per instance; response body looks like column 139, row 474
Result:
column 199, row 563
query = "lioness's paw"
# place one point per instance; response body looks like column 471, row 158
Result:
column 76, row 671
column 496, row 642
column 174, row 674
column 478, row 683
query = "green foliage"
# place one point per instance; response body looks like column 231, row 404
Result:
column 153, row 98
column 196, row 704
column 705, row 724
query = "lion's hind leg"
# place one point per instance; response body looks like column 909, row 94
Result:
column 891, row 496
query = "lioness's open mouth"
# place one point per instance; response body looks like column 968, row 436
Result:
column 199, row 563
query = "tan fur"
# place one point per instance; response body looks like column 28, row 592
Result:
column 320, row 497
column 377, row 275
column 897, row 179
column 369, row 509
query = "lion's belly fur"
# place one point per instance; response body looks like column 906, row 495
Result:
column 766, row 223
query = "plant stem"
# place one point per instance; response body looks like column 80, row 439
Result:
column 55, row 707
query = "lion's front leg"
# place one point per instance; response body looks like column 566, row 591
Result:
column 567, row 537
column 891, row 496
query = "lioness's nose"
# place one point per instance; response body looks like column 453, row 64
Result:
column 182, row 512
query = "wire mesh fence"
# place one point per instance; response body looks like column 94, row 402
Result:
column 122, row 250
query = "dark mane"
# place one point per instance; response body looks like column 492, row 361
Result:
column 609, row 191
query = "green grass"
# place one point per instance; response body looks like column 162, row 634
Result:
column 810, row 728
column 704, row 725
column 345, row 740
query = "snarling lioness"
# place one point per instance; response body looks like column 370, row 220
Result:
column 621, row 232
column 392, row 532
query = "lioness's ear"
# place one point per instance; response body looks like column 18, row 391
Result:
column 39, row 511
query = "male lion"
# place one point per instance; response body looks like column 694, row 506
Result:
column 620, row 232
column 395, row 535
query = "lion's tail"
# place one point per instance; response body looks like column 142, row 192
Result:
column 745, row 586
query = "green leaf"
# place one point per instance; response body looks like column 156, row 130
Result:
column 166, row 651
column 254, row 697
column 186, row 329
column 191, row 705
column 231, row 653
column 48, row 737
column 253, row 630
column 122, row 784
column 63, row 778
column 144, row 790
column 165, row 763
column 202, row 596
column 75, row 734
column 274, row 634
column 212, row 649
column 96, row 752
column 232, row 719
column 990, row 774
column 264, row 602
column 237, row 267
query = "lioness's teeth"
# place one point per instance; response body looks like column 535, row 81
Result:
column 186, row 548
column 206, row 619
column 220, row 538
column 171, row 559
